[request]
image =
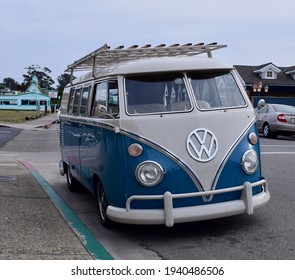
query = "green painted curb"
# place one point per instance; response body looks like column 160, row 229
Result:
column 88, row 239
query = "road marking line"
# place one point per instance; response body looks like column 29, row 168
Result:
column 49, row 163
column 283, row 146
column 8, row 164
column 278, row 153
column 93, row 246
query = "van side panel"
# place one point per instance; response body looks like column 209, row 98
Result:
column 105, row 159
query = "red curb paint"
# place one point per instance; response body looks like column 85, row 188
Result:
column 27, row 165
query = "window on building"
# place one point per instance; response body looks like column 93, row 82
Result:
column 26, row 102
column 13, row 102
column 8, row 102
column 269, row 74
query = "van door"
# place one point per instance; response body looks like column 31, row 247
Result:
column 86, row 139
column 74, row 133
column 98, row 137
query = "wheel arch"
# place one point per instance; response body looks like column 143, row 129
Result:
column 95, row 181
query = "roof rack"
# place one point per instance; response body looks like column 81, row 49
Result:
column 105, row 55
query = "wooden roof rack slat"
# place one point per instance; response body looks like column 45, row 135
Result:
column 146, row 46
column 104, row 55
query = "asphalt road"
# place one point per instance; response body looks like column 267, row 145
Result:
column 268, row 234
column 6, row 134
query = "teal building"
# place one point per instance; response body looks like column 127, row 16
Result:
column 32, row 99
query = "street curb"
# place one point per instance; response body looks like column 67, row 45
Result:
column 96, row 250
column 46, row 126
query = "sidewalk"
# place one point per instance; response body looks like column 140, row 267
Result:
column 35, row 224
column 42, row 123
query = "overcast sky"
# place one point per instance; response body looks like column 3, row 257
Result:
column 54, row 33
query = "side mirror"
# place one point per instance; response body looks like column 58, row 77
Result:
column 179, row 81
column 260, row 104
column 101, row 111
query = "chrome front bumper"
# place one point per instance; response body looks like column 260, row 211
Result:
column 169, row 215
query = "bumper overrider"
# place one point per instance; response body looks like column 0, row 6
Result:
column 169, row 215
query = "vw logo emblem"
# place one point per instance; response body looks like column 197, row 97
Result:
column 202, row 145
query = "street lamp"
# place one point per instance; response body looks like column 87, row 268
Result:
column 259, row 87
column 266, row 89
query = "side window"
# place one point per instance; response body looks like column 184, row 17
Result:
column 113, row 98
column 105, row 99
column 76, row 103
column 71, row 101
column 84, row 100
column 264, row 110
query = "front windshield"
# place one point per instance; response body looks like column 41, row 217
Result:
column 215, row 90
column 156, row 93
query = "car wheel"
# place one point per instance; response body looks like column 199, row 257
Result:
column 266, row 130
column 73, row 184
column 102, row 205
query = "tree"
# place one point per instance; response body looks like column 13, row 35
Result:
column 45, row 81
column 10, row 83
column 63, row 80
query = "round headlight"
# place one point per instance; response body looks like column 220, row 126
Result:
column 250, row 162
column 149, row 173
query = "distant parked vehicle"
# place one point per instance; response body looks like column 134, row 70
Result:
column 275, row 119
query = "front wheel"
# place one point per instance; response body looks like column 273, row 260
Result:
column 102, row 206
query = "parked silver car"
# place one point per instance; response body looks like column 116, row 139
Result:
column 275, row 119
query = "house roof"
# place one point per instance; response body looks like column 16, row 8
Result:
column 250, row 74
column 34, row 86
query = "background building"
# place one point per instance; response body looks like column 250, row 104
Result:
column 32, row 99
column 270, row 82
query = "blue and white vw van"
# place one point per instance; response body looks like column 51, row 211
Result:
column 161, row 135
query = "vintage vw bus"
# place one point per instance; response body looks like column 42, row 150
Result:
column 161, row 135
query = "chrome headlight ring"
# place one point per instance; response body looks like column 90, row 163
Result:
column 250, row 162
column 149, row 173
